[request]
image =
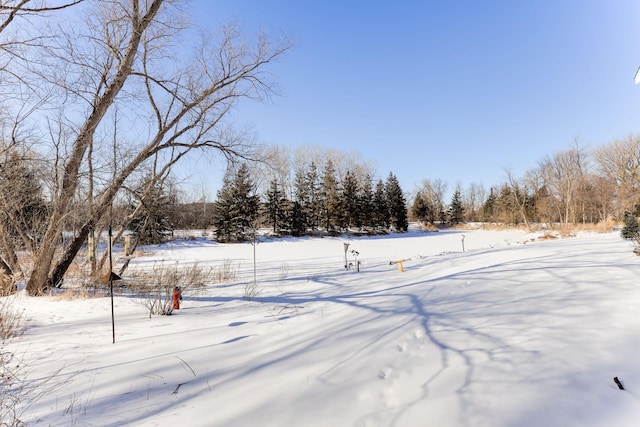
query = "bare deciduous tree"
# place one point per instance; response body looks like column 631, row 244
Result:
column 565, row 172
column 519, row 194
column 619, row 162
column 473, row 199
column 125, row 58
column 433, row 192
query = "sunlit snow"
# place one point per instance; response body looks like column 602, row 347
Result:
column 512, row 331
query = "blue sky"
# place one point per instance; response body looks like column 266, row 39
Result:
column 451, row 90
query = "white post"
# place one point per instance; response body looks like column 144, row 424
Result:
column 346, row 263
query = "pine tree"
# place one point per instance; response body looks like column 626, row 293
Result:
column 22, row 204
column 380, row 217
column 397, row 204
column 330, row 196
column 314, row 202
column 349, row 198
column 274, row 206
column 420, row 209
column 247, row 202
column 506, row 209
column 236, row 209
column 631, row 229
column 456, row 208
column 224, row 212
column 366, row 207
column 299, row 212
column 298, row 225
column 489, row 206
column 152, row 224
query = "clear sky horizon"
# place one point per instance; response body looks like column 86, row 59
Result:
column 459, row 91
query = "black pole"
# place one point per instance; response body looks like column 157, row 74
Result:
column 113, row 321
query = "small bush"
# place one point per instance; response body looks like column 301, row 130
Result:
column 631, row 229
column 194, row 277
column 251, row 291
column 225, row 273
column 17, row 394
column 284, row 271
column 8, row 396
column 155, row 287
column 10, row 318
column 10, row 392
column 7, row 284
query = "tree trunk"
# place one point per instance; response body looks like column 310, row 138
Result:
column 57, row 275
column 40, row 279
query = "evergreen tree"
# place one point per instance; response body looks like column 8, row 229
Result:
column 330, row 196
column 314, row 202
column 247, row 202
column 224, row 212
column 380, row 217
column 397, row 204
column 298, row 225
column 366, row 206
column 349, row 198
column 275, row 206
column 236, row 209
column 420, row 209
column 456, row 208
column 299, row 212
column 152, row 224
column 489, row 206
column 506, row 209
column 23, row 209
column 631, row 229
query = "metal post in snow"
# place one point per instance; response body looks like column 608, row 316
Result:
column 254, row 257
column 113, row 321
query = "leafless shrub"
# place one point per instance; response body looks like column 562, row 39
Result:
column 284, row 272
column 89, row 289
column 10, row 318
column 195, row 277
column 7, row 285
column 251, row 290
column 548, row 236
column 155, row 287
column 10, row 326
column 9, row 400
column 157, row 298
column 225, row 272
column 428, row 227
column 17, row 393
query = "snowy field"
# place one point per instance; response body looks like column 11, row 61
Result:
column 512, row 331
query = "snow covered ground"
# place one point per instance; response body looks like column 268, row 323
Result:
column 512, row 331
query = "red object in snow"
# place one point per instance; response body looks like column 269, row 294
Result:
column 177, row 296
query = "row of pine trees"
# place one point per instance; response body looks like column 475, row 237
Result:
column 319, row 201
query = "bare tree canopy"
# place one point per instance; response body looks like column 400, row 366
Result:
column 619, row 162
column 117, row 88
column 9, row 10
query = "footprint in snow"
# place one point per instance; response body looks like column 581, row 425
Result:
column 384, row 373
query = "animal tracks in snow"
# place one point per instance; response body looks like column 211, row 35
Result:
column 384, row 373
column 407, row 371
